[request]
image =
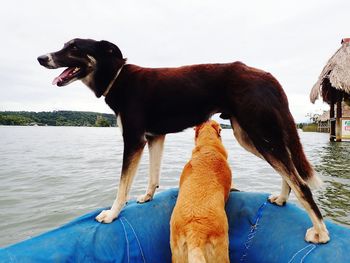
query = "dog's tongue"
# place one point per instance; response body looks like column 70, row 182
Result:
column 62, row 76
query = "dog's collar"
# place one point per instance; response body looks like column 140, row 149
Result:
column 112, row 82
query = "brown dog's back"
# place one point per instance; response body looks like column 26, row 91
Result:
column 199, row 228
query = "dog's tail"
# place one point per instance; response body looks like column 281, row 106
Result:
column 300, row 161
column 196, row 255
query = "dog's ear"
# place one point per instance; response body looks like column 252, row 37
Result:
column 109, row 48
column 196, row 130
column 217, row 127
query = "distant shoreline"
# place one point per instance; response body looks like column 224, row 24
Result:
column 57, row 118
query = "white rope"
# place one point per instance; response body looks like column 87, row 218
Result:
column 302, row 259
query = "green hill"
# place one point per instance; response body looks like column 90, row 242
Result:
column 57, row 118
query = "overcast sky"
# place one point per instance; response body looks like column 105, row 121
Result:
column 290, row 39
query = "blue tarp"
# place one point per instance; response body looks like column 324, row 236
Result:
column 259, row 232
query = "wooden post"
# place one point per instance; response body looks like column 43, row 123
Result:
column 332, row 123
column 338, row 120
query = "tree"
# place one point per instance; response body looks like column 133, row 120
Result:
column 313, row 117
column 102, row 122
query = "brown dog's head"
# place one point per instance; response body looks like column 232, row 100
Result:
column 209, row 125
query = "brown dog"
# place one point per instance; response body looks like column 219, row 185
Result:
column 199, row 227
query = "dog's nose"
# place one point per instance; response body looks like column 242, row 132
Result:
column 43, row 59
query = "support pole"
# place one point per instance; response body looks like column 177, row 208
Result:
column 332, row 123
column 338, row 120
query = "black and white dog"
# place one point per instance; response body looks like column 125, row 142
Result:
column 151, row 102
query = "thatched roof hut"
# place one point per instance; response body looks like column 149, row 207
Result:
column 334, row 86
column 334, row 82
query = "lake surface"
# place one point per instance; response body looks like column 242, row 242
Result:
column 50, row 175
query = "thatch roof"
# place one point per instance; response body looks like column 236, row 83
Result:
column 335, row 76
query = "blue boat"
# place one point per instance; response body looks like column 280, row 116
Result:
column 259, row 232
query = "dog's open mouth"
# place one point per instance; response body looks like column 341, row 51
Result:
column 67, row 76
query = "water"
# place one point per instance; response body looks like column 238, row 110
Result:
column 50, row 175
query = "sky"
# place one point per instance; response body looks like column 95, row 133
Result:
column 290, row 39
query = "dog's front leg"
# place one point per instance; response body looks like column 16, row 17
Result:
column 282, row 198
column 155, row 146
column 132, row 154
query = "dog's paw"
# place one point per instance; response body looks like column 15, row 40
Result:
column 106, row 216
column 317, row 238
column 277, row 200
column 144, row 198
